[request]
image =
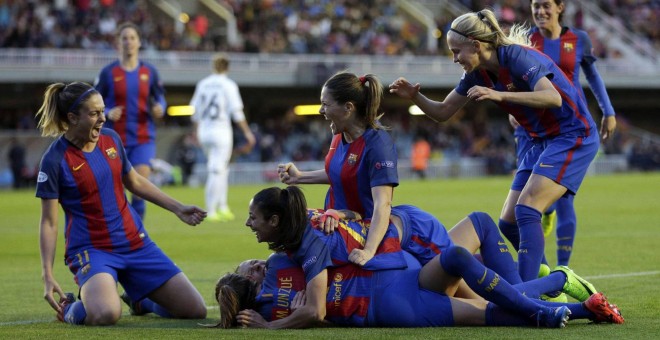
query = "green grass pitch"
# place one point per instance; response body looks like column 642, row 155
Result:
column 616, row 248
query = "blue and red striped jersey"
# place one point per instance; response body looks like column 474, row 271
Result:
column 284, row 278
column 136, row 91
column 354, row 168
column 319, row 251
column 90, row 190
column 347, row 300
column 521, row 68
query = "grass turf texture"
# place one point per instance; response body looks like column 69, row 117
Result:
column 615, row 247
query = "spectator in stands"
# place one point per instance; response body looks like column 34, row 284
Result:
column 135, row 99
column 419, row 156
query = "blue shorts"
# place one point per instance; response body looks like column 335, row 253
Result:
column 564, row 159
column 141, row 154
column 423, row 235
column 397, row 301
column 140, row 272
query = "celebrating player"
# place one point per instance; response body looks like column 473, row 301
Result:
column 86, row 170
column 361, row 165
column 531, row 87
column 570, row 49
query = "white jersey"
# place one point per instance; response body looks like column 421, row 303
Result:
column 217, row 102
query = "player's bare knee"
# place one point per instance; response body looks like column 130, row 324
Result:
column 103, row 317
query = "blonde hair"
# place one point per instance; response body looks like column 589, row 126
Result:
column 483, row 26
column 59, row 100
column 220, row 62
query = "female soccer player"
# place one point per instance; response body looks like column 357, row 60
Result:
column 135, row 98
column 217, row 103
column 280, row 218
column 570, row 49
column 86, row 170
column 361, row 165
column 271, row 295
column 531, row 87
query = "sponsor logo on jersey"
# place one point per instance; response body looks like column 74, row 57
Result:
column 309, row 262
column 117, row 79
column 76, row 168
column 525, row 76
column 144, row 77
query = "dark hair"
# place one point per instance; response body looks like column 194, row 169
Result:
column 557, row 2
column 126, row 25
column 291, row 207
column 365, row 92
column 233, row 293
column 60, row 99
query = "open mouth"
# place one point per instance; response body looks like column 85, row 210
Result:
column 96, row 131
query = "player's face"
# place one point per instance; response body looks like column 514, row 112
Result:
column 546, row 13
column 129, row 42
column 332, row 111
column 264, row 228
column 87, row 124
column 254, row 270
column 465, row 52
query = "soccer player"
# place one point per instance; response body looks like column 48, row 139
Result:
column 217, row 103
column 135, row 98
column 271, row 296
column 361, row 164
column 87, row 170
column 570, row 49
column 530, row 86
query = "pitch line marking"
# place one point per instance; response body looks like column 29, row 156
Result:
column 608, row 276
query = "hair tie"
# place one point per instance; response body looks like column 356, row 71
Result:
column 80, row 98
column 363, row 79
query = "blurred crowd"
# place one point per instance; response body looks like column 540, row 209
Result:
column 374, row 27
column 371, row 27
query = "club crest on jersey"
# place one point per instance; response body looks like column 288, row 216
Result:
column 352, row 159
column 510, row 87
column 112, row 153
column 144, row 77
column 568, row 47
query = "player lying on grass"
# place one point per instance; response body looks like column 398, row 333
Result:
column 280, row 218
column 272, row 295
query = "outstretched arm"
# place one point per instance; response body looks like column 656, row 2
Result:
column 544, row 96
column 142, row 187
column 438, row 111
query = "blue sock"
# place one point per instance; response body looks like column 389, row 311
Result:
column 494, row 251
column 566, row 226
column 511, row 232
column 532, row 242
column 148, row 306
column 458, row 261
column 548, row 284
column 498, row 316
column 75, row 313
column 578, row 310
column 139, row 205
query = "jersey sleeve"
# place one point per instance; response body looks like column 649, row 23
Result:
column 234, row 103
column 157, row 88
column 528, row 65
column 49, row 172
column 466, row 82
column 382, row 160
column 313, row 255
